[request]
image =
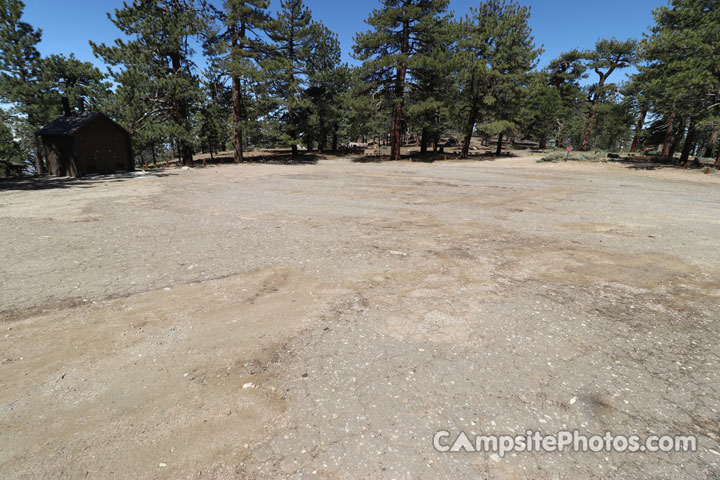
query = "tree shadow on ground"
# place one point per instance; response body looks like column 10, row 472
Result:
column 660, row 165
column 267, row 157
column 287, row 158
column 433, row 157
column 90, row 181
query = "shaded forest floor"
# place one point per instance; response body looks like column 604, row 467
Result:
column 326, row 318
column 478, row 152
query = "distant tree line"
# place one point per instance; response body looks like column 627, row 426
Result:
column 191, row 77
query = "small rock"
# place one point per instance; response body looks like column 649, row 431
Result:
column 162, row 465
column 573, row 400
column 248, row 385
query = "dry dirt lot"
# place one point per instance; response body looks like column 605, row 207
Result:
column 324, row 321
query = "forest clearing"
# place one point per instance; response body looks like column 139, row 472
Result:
column 384, row 239
column 270, row 320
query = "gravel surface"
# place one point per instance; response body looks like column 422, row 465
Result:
column 324, row 321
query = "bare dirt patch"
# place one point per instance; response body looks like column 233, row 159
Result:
column 326, row 320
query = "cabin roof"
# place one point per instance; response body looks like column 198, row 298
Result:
column 68, row 125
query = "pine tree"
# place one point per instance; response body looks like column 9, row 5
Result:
column 215, row 118
column 614, row 121
column 292, row 32
column 639, row 104
column 433, row 95
column 10, row 151
column 681, row 74
column 364, row 117
column 565, row 74
column 20, row 71
column 157, row 71
column 236, row 51
column 396, row 48
column 542, row 109
column 498, row 52
column 328, row 82
column 608, row 56
column 81, row 82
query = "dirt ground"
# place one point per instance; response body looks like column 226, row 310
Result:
column 325, row 320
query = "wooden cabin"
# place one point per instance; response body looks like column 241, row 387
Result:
column 79, row 144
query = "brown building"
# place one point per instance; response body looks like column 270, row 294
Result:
column 79, row 144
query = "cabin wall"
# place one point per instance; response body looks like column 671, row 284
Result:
column 102, row 147
column 102, row 152
column 59, row 156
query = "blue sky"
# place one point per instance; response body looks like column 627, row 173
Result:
column 558, row 25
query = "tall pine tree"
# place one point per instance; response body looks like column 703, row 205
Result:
column 81, row 82
column 681, row 74
column 608, row 56
column 21, row 70
column 328, row 81
column 396, row 48
column 157, row 71
column 498, row 52
column 236, row 51
column 292, row 33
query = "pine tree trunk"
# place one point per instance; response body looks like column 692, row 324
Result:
column 543, row 143
column 714, row 135
column 396, row 135
column 424, row 141
column 498, row 151
column 181, row 114
column 689, row 142
column 238, row 156
column 635, row 147
column 334, row 142
column 397, row 120
column 667, row 144
column 292, row 128
column 711, row 143
column 584, row 146
column 237, row 99
column 469, row 128
column 39, row 165
column 187, row 153
column 677, row 138
column 594, row 107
